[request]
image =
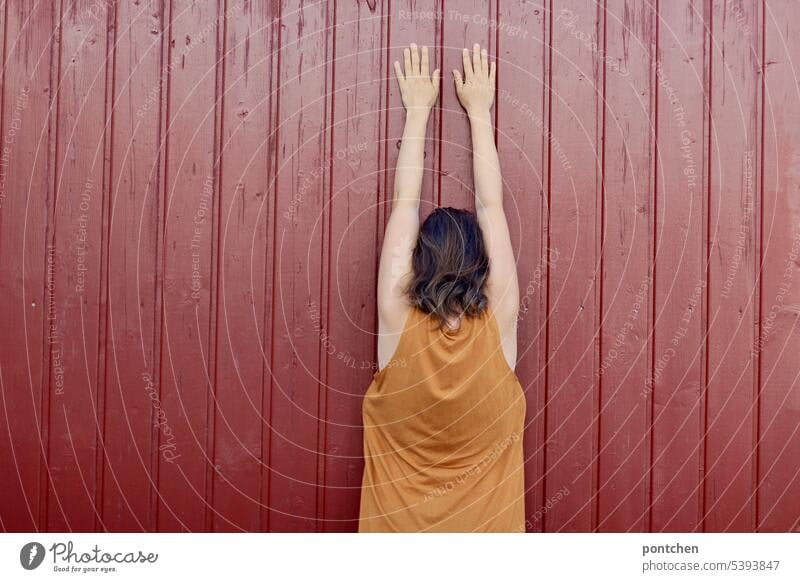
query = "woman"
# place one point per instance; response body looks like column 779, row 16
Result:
column 444, row 414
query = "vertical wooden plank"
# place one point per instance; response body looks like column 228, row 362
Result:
column 462, row 24
column 77, row 238
column 23, row 253
column 355, row 193
column 132, row 404
column 779, row 340
column 627, row 254
column 729, row 503
column 189, row 233
column 679, row 279
column 298, row 343
column 240, row 319
column 574, row 199
column 408, row 23
column 269, row 214
column 521, row 129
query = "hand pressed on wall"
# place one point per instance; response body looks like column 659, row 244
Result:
column 418, row 88
column 476, row 89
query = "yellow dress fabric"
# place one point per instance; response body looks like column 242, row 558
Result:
column 443, row 423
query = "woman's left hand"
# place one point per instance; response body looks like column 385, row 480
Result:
column 418, row 88
column 476, row 90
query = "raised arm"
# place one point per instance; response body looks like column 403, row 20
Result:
column 419, row 92
column 476, row 93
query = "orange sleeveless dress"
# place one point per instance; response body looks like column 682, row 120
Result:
column 443, row 424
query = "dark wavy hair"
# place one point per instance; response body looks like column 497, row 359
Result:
column 450, row 266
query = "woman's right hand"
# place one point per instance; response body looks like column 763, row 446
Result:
column 418, row 88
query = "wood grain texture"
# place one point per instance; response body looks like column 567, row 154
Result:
column 678, row 396
column 77, row 234
column 26, row 286
column 574, row 202
column 628, row 179
column 777, row 475
column 193, row 197
column 299, row 311
column 242, row 259
column 190, row 227
column 133, row 234
column 733, row 254
column 520, row 106
column 350, row 225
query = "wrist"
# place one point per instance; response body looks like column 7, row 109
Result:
column 418, row 114
column 479, row 115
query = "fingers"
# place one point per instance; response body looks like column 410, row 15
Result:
column 485, row 62
column 493, row 73
column 425, row 63
column 476, row 60
column 467, row 64
column 407, row 62
column 414, row 59
column 459, row 81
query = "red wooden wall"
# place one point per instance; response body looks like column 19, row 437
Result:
column 192, row 205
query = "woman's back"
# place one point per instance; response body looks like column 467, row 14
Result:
column 443, row 424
